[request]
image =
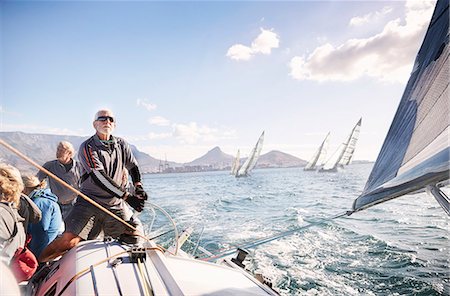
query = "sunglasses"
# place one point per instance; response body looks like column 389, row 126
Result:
column 105, row 118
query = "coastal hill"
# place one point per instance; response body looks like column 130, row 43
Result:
column 42, row 148
column 279, row 159
column 214, row 157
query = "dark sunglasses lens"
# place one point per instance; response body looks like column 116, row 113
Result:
column 105, row 118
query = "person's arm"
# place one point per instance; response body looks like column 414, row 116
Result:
column 132, row 165
column 41, row 175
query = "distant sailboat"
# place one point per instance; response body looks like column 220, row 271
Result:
column 347, row 157
column 236, row 163
column 331, row 165
column 318, row 158
column 415, row 154
column 250, row 163
column 344, row 154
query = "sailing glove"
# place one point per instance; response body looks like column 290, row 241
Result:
column 136, row 202
column 139, row 191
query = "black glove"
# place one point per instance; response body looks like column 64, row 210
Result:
column 139, row 190
column 136, row 202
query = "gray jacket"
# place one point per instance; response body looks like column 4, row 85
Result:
column 103, row 165
column 71, row 177
column 12, row 233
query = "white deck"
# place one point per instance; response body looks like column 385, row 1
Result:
column 163, row 274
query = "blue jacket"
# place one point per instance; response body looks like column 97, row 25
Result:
column 46, row 230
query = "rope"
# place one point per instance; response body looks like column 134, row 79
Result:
column 50, row 174
column 88, row 199
column 257, row 242
column 82, row 272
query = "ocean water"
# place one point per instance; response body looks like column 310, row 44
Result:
column 400, row 247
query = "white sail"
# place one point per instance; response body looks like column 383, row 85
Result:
column 351, row 145
column 332, row 163
column 319, row 156
column 236, row 163
column 251, row 161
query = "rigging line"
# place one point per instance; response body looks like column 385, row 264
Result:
column 268, row 239
column 161, row 234
column 113, row 268
column 143, row 279
column 88, row 199
column 85, row 197
column 84, row 271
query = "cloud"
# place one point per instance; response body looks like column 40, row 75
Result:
column 370, row 17
column 386, row 56
column 153, row 136
column 263, row 44
column 147, row 105
column 239, row 52
column 159, row 120
column 192, row 133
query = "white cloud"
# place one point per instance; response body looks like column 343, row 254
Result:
column 147, row 105
column 370, row 17
column 263, row 44
column 387, row 56
column 159, row 120
column 239, row 52
column 192, row 133
column 153, row 136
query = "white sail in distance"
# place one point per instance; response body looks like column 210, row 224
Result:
column 319, row 156
column 251, row 161
column 236, row 163
column 331, row 164
column 351, row 145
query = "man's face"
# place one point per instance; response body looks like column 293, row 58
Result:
column 105, row 123
column 63, row 154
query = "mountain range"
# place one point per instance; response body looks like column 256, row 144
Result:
column 42, row 148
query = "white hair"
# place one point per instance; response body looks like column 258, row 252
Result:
column 103, row 111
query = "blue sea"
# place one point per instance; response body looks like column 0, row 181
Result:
column 400, row 247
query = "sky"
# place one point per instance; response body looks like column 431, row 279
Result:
column 183, row 77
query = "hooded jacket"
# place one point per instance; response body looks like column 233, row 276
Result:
column 46, row 230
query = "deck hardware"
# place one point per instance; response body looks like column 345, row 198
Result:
column 240, row 257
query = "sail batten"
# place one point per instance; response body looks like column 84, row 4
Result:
column 415, row 153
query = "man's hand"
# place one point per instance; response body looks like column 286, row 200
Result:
column 139, row 191
column 136, row 202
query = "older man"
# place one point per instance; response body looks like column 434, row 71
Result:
column 67, row 169
column 104, row 159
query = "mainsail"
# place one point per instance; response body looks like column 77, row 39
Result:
column 235, row 165
column 415, row 153
column 319, row 157
column 332, row 163
column 344, row 153
column 250, row 163
column 347, row 156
